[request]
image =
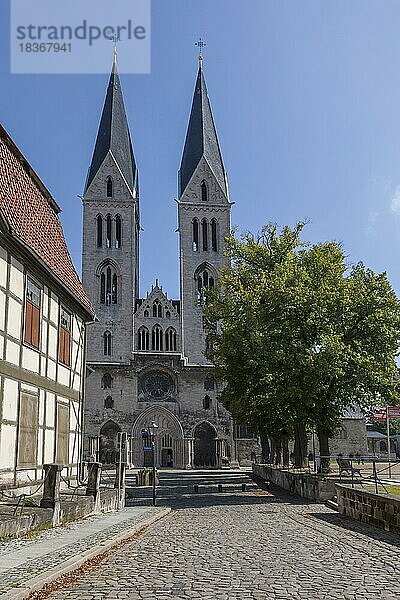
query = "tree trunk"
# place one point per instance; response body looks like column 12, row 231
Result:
column 277, row 451
column 300, row 446
column 285, row 451
column 324, row 451
column 265, row 448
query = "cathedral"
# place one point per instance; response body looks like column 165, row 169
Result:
column 146, row 356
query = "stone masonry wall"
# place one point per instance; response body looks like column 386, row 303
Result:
column 382, row 511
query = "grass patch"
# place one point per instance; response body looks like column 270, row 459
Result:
column 389, row 489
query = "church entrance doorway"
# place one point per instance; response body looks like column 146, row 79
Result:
column 167, row 452
column 205, row 451
column 109, row 443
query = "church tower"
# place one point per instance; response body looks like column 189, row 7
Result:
column 110, row 261
column 204, row 219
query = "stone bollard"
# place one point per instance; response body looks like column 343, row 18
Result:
column 243, row 487
column 220, row 487
column 93, row 483
column 196, row 488
column 119, row 484
column 51, row 490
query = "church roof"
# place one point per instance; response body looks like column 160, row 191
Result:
column 113, row 135
column 30, row 215
column 201, row 138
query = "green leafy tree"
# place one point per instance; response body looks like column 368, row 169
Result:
column 297, row 336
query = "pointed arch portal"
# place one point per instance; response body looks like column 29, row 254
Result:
column 205, row 447
column 170, row 447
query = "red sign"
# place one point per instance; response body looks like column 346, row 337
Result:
column 381, row 412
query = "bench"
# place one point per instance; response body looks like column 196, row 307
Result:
column 345, row 466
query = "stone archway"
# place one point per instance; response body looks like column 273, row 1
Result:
column 109, row 443
column 205, row 445
column 170, row 446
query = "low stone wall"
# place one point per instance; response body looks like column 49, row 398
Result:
column 313, row 487
column 73, row 508
column 380, row 510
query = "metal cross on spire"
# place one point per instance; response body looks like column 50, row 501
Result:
column 114, row 38
column 200, row 44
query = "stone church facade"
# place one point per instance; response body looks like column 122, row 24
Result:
column 146, row 356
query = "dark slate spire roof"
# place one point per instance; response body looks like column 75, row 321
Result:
column 201, row 138
column 113, row 135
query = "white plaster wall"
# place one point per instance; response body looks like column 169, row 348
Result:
column 2, row 310
column 50, row 409
column 30, row 359
column 14, row 318
column 53, row 335
column 63, row 375
column 3, row 267
column 10, row 400
column 17, row 278
column 12, row 352
column 7, row 446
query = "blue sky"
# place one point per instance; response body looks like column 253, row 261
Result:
column 306, row 98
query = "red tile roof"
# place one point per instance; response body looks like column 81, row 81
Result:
column 32, row 214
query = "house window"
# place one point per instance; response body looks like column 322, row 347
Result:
column 214, row 235
column 62, row 434
column 107, row 343
column 108, row 231
column 204, row 191
column 99, row 231
column 195, row 241
column 170, row 340
column 28, row 430
column 106, row 381
column 32, row 314
column 109, row 187
column 157, row 338
column 118, row 232
column 204, row 229
column 143, row 338
column 64, row 337
column 109, row 402
column 206, row 402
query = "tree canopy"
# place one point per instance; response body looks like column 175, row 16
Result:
column 298, row 335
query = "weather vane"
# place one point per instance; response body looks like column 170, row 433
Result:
column 114, row 38
column 200, row 44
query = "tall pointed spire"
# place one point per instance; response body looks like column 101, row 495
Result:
column 113, row 136
column 201, row 138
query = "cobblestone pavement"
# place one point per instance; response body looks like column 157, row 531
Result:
column 21, row 561
column 250, row 545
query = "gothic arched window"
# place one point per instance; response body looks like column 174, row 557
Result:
column 195, row 241
column 206, row 402
column 99, row 231
column 143, row 338
column 157, row 338
column 204, row 281
column 118, row 232
column 108, row 286
column 214, row 235
column 107, row 343
column 209, row 383
column 170, row 340
column 109, row 402
column 157, row 309
column 106, row 381
column 108, row 231
column 204, row 229
column 146, row 313
column 109, row 187
column 167, row 314
column 204, row 191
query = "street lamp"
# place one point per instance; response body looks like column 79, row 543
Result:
column 149, row 437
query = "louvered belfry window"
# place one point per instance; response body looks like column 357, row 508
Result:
column 32, row 314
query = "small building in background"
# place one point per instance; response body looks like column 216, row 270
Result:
column 43, row 315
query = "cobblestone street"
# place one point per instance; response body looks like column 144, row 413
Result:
column 251, row 545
